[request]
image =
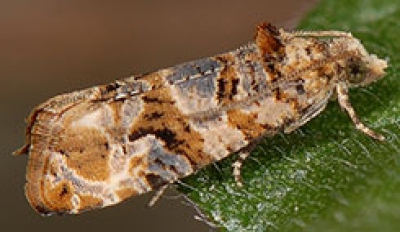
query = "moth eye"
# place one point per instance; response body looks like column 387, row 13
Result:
column 356, row 72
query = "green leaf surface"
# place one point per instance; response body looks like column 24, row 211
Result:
column 326, row 176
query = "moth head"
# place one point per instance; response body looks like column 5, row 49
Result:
column 361, row 67
column 364, row 71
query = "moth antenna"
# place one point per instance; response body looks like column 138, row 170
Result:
column 289, row 35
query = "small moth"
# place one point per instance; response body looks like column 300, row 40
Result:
column 98, row 146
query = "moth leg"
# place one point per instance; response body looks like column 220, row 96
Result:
column 344, row 102
column 313, row 111
column 237, row 165
column 158, row 195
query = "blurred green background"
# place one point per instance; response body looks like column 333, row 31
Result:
column 49, row 47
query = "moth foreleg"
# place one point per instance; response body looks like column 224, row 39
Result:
column 344, row 102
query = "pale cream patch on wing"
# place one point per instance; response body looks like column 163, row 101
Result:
column 270, row 111
column 219, row 138
column 98, row 118
column 191, row 101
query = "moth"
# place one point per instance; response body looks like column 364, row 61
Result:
column 98, row 146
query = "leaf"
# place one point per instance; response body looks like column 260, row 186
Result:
column 327, row 175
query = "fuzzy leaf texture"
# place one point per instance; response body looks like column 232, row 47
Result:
column 326, row 176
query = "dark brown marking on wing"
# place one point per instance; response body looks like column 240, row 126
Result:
column 246, row 123
column 234, row 89
column 300, row 89
column 272, row 50
column 268, row 41
column 111, row 87
column 155, row 181
column 165, row 134
column 227, row 81
column 278, row 94
column 221, row 88
column 171, row 128
column 154, row 116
